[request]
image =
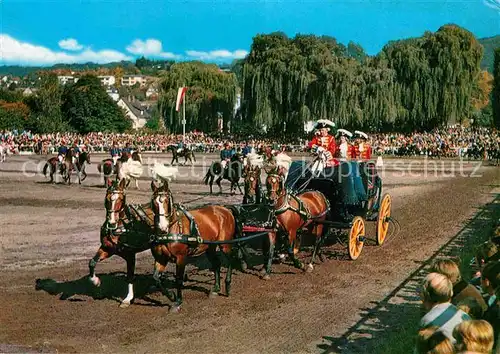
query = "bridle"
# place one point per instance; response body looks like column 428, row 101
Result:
column 251, row 181
column 113, row 198
column 272, row 180
column 161, row 197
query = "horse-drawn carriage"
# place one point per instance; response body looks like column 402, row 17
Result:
column 341, row 188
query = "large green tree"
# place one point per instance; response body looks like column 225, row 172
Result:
column 418, row 83
column 496, row 88
column 210, row 92
column 88, row 108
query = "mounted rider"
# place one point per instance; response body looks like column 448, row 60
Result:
column 180, row 146
column 324, row 142
column 61, row 153
column 115, row 153
column 127, row 150
column 226, row 154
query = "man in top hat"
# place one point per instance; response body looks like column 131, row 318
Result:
column 324, row 141
column 226, row 154
column 363, row 150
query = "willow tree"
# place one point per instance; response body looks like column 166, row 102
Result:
column 412, row 84
column 210, row 92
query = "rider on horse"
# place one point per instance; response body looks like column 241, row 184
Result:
column 324, row 142
column 180, row 146
column 226, row 154
column 127, row 150
column 115, row 153
column 61, row 152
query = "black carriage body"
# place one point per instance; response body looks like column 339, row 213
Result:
column 336, row 188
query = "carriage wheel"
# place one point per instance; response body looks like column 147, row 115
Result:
column 384, row 215
column 356, row 237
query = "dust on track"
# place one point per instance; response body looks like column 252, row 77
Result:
column 49, row 232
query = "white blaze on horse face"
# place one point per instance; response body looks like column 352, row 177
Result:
column 162, row 219
column 112, row 216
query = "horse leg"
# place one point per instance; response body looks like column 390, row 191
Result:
column 159, row 269
column 99, row 256
column 293, row 249
column 137, row 184
column 318, row 231
column 218, row 183
column 269, row 259
column 230, row 257
column 130, row 259
column 239, row 188
column 215, row 263
column 179, row 283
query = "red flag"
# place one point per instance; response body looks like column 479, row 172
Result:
column 180, row 96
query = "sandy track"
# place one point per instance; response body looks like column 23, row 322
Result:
column 50, row 231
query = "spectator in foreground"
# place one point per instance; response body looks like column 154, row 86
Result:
column 436, row 294
column 490, row 282
column 431, row 340
column 461, row 289
column 471, row 307
column 474, row 337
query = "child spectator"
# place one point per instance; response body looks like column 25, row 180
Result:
column 431, row 340
column 474, row 336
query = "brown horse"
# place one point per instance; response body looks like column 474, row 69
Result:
column 252, row 185
column 172, row 222
column 108, row 168
column 126, row 232
column 295, row 213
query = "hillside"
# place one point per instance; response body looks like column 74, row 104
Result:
column 489, row 45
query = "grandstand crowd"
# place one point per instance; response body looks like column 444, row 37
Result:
column 462, row 316
column 456, row 141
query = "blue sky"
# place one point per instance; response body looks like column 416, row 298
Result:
column 49, row 31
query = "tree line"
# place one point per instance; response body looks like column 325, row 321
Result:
column 81, row 107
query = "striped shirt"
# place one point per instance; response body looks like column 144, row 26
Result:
column 445, row 316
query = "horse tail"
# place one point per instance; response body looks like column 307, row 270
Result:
column 194, row 158
column 45, row 168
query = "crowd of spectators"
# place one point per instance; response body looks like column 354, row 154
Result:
column 462, row 316
column 447, row 142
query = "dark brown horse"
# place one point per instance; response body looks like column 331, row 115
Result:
column 252, row 185
column 210, row 223
column 126, row 232
column 108, row 168
column 295, row 213
column 67, row 165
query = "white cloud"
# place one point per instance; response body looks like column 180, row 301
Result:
column 150, row 47
column 14, row 51
column 217, row 54
column 494, row 4
column 70, row 44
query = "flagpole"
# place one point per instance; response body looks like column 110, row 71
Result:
column 184, row 119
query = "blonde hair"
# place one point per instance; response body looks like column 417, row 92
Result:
column 437, row 288
column 471, row 307
column 448, row 268
column 475, row 336
column 431, row 341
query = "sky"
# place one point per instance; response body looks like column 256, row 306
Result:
column 45, row 32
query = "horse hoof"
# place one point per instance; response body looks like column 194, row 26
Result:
column 309, row 268
column 124, row 305
column 266, row 277
column 175, row 309
column 244, row 267
column 213, row 295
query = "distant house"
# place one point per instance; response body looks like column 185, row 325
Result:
column 107, row 80
column 29, row 91
column 137, row 112
column 66, row 79
column 131, row 80
column 152, row 93
column 113, row 93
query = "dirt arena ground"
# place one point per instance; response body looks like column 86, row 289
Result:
column 50, row 231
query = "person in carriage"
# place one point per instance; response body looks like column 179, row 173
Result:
column 324, row 143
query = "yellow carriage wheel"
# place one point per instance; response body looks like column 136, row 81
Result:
column 356, row 237
column 384, row 215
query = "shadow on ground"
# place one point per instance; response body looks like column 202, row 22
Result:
column 398, row 313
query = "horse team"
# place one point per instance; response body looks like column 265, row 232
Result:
column 172, row 233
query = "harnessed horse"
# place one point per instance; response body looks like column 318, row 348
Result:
column 252, row 185
column 233, row 172
column 108, row 168
column 173, row 223
column 125, row 233
column 294, row 213
column 188, row 154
